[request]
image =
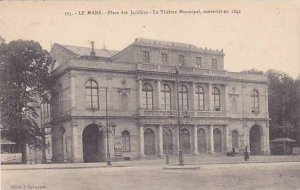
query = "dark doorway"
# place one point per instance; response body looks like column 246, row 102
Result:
column 93, row 145
column 217, row 140
column 185, row 144
column 201, row 141
column 149, row 141
column 235, row 139
column 167, row 141
column 255, row 140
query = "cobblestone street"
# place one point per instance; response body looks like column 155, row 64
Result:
column 150, row 175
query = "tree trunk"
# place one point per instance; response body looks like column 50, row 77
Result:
column 44, row 159
column 22, row 145
column 23, row 151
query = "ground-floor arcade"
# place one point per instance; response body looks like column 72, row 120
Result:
column 84, row 141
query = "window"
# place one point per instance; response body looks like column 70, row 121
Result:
column 91, row 94
column 166, row 97
column 198, row 62
column 124, row 101
column 164, row 58
column 45, row 110
column 181, row 60
column 214, row 64
column 255, row 101
column 183, row 98
column 125, row 141
column 216, row 99
column 147, row 96
column 199, row 98
column 146, row 57
column 233, row 105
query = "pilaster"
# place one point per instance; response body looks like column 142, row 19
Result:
column 140, row 92
column 160, row 140
column 158, row 82
column 195, row 141
column 142, row 153
column 211, row 131
column 194, row 97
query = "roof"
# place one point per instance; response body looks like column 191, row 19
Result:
column 169, row 44
column 85, row 51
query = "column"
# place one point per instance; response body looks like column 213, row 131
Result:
column 194, row 107
column 267, row 140
column 160, row 140
column 75, row 147
column 211, row 139
column 226, row 138
column 142, row 141
column 158, row 93
column 140, row 92
column 177, row 142
column 209, row 93
column 73, row 91
column 195, row 141
column 226, row 99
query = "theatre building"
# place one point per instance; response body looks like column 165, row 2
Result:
column 157, row 98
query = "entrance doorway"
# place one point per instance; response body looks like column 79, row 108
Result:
column 167, row 141
column 149, row 141
column 255, row 140
column 217, row 140
column 93, row 144
column 201, row 141
column 185, row 140
column 235, row 139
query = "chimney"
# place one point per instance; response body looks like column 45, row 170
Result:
column 92, row 53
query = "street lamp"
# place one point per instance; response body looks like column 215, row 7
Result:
column 179, row 122
column 110, row 129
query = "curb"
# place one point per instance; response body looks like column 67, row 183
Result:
column 171, row 166
column 55, row 168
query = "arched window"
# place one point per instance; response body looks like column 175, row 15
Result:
column 216, row 99
column 125, row 141
column 255, row 101
column 200, row 98
column 91, row 94
column 166, row 97
column 183, row 98
column 147, row 96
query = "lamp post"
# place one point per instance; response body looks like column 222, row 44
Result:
column 110, row 128
column 179, row 123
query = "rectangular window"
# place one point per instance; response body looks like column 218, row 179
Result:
column 181, row 60
column 146, row 57
column 164, row 58
column 214, row 64
column 198, row 62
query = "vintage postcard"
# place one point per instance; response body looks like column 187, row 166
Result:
column 150, row 95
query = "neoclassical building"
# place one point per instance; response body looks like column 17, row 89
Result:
column 145, row 89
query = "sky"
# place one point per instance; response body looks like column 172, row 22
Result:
column 259, row 34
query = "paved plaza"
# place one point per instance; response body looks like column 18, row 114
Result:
column 150, row 175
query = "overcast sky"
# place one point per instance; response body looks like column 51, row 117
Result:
column 263, row 36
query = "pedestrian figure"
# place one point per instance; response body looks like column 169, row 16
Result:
column 246, row 154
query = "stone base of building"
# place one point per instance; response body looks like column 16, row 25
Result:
column 77, row 160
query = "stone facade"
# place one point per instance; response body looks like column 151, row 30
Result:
column 136, row 89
